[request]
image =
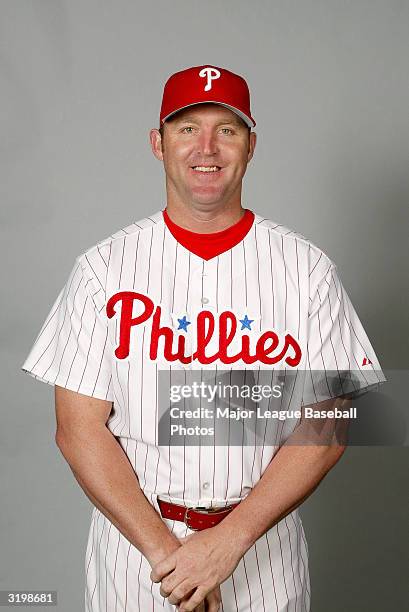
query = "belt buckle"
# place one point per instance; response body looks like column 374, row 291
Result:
column 202, row 510
column 218, row 509
column 186, row 517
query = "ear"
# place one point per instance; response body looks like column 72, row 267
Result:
column 156, row 143
column 252, row 145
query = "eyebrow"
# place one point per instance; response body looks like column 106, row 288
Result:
column 190, row 119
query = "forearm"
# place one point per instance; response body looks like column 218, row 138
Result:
column 293, row 474
column 104, row 472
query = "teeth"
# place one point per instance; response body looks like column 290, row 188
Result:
column 206, row 168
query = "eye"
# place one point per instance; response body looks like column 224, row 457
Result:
column 188, row 127
column 228, row 129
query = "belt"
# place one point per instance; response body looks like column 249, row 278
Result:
column 194, row 517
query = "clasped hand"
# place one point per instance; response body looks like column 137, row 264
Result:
column 196, row 569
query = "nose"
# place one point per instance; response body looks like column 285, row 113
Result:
column 207, row 143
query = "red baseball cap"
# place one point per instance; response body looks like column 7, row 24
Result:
column 201, row 84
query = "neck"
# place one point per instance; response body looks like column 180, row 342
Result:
column 204, row 220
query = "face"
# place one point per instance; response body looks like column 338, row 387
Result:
column 204, row 135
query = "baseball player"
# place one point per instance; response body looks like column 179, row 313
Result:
column 203, row 287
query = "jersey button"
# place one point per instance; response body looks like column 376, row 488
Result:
column 205, row 300
column 206, row 485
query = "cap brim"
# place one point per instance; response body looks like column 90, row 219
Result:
column 247, row 120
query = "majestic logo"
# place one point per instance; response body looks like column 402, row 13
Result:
column 207, row 73
column 267, row 347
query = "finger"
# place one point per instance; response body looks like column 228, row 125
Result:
column 200, row 608
column 188, row 605
column 170, row 584
column 213, row 600
column 182, row 591
column 163, row 568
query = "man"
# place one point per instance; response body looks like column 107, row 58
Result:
column 201, row 287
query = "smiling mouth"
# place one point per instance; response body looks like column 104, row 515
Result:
column 206, row 169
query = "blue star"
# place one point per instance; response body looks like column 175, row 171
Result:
column 246, row 323
column 183, row 323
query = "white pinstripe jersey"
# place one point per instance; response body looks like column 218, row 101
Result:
column 277, row 277
column 277, row 282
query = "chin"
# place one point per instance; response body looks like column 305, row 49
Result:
column 202, row 199
column 207, row 193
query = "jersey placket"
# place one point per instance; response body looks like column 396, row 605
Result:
column 204, row 298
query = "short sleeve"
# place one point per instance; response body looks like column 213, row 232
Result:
column 340, row 359
column 72, row 349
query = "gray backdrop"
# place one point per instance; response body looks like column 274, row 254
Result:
column 81, row 87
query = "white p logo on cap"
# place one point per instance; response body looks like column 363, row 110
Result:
column 211, row 74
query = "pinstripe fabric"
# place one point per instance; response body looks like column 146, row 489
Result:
column 282, row 281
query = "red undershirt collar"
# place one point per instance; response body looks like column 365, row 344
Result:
column 207, row 246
